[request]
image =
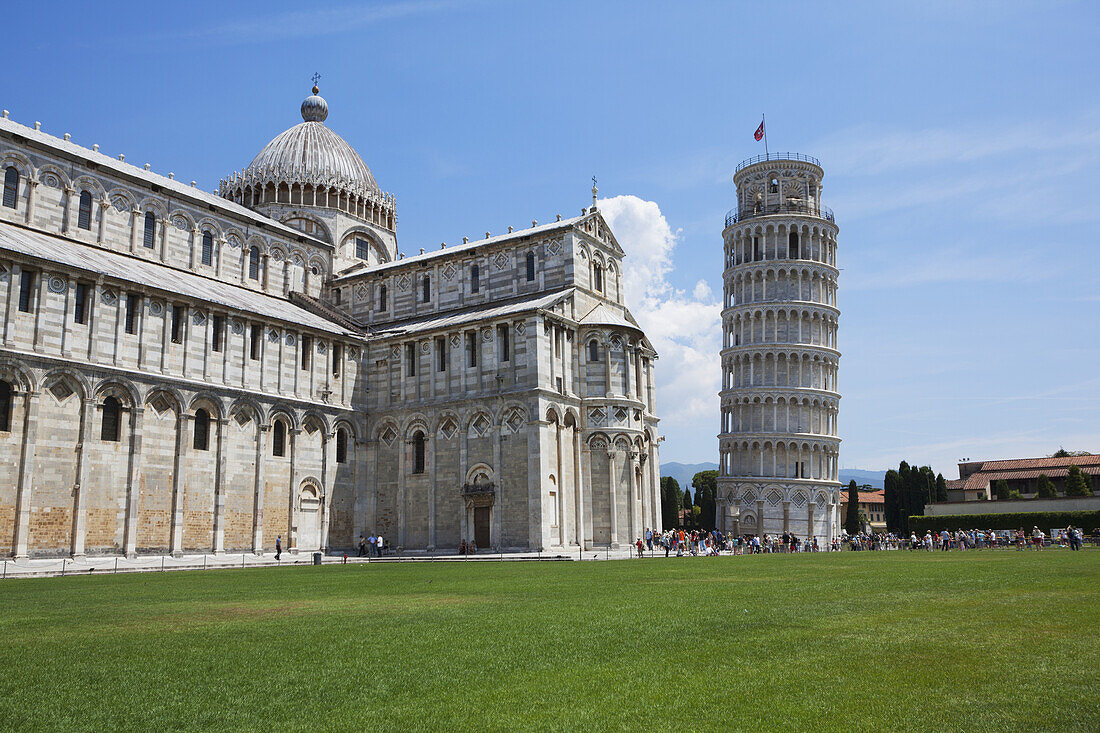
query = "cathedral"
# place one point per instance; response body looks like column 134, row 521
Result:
column 190, row 372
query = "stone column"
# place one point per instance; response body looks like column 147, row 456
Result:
column 612, row 455
column 26, row 475
column 632, row 496
column 258, row 489
column 328, row 476
column 129, row 543
column 103, row 205
column 66, row 214
column 497, row 533
column 292, row 513
column 430, row 467
column 80, row 488
column 760, row 518
column 219, row 484
column 810, row 520
column 402, row 460
column 178, row 483
column 133, row 230
column 560, row 473
column 786, row 516
column 191, row 248
column 32, row 187
column 578, row 488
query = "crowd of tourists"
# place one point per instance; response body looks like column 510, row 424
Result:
column 976, row 539
column 681, row 542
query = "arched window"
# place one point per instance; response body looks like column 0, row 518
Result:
column 774, row 185
column 593, row 350
column 792, row 245
column 109, row 428
column 254, row 263
column 84, row 214
column 150, row 234
column 475, row 279
column 5, row 407
column 418, row 453
column 341, row 445
column 362, row 248
column 597, row 277
column 202, row 430
column 530, row 266
column 278, row 438
column 382, row 299
column 207, row 248
column 11, row 186
column 426, row 288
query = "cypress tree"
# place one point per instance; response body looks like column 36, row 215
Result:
column 999, row 487
column 941, row 488
column 670, row 501
column 892, row 501
column 1076, row 483
column 1044, row 487
column 851, row 515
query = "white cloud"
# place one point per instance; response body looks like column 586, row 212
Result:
column 685, row 328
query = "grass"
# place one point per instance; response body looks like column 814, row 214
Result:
column 878, row 641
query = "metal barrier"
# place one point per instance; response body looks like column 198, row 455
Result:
column 776, row 157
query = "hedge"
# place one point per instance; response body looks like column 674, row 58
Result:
column 1086, row 520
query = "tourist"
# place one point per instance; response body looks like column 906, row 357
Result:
column 640, row 547
column 1037, row 538
column 362, row 546
column 649, row 538
column 278, row 547
column 378, row 544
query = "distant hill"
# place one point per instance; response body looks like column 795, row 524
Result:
column 683, row 473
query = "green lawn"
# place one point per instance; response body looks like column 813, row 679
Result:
column 1003, row 641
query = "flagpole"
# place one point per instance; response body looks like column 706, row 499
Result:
column 765, row 126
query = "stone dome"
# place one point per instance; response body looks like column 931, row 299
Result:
column 310, row 154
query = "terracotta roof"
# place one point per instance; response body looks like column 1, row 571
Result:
column 1029, row 468
column 956, row 483
column 865, row 497
column 1024, row 463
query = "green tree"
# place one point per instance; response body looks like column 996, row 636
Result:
column 851, row 514
column 1076, row 483
column 941, row 487
column 687, row 507
column 705, row 484
column 1044, row 488
column 999, row 487
column 892, row 501
column 670, row 501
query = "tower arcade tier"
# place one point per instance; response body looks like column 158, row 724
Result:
column 778, row 444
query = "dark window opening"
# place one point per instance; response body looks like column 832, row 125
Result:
column 278, row 439
column 337, row 359
column 11, row 186
column 593, row 350
column 757, row 251
column 307, row 349
column 774, row 187
column 410, row 360
column 207, row 248
column 26, row 289
column 560, row 386
column 471, row 348
column 257, row 333
column 418, row 453
column 475, row 279
column 505, row 346
column 362, row 248
column 426, row 289
column 109, row 426
column 254, row 263
column 382, row 299
column 150, row 233
column 597, row 272
column 80, row 304
column 218, row 329
column 441, row 354
column 5, row 407
column 177, row 323
column 133, row 302
column 792, row 246
column 530, row 266
column 341, row 445
column 202, row 430
column 84, row 213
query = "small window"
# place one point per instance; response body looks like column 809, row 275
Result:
column 475, row 279
column 257, row 333
column 530, row 266
column 217, row 328
column 560, row 385
column 254, row 263
column 278, row 438
column 410, row 360
column 150, row 234
column 418, row 453
column 597, row 277
column 109, row 427
column 593, row 350
column 207, row 248
column 341, row 445
column 133, row 303
column 80, row 304
column 337, row 359
column 177, row 323
column 362, row 248
column 774, row 187
column 792, row 246
column 307, row 349
column 202, row 430
column 5, row 406
column 11, row 186
column 426, row 289
column 502, row 339
column 757, row 250
column 441, row 354
column 471, row 348
column 26, row 290
column 382, row 298
column 84, row 214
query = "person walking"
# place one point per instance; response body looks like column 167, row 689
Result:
column 278, row 547
column 362, row 546
column 378, row 544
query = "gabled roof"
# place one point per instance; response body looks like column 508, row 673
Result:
column 604, row 315
column 156, row 276
column 174, row 187
column 488, row 311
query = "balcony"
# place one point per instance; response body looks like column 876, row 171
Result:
column 791, row 206
column 778, row 157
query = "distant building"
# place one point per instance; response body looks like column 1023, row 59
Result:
column 873, row 506
column 1021, row 474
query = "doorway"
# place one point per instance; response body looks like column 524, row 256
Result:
column 482, row 515
column 309, row 520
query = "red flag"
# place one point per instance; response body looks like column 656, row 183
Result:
column 759, row 134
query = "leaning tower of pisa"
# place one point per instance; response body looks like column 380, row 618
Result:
column 778, row 445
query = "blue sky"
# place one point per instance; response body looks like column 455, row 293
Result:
column 960, row 141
